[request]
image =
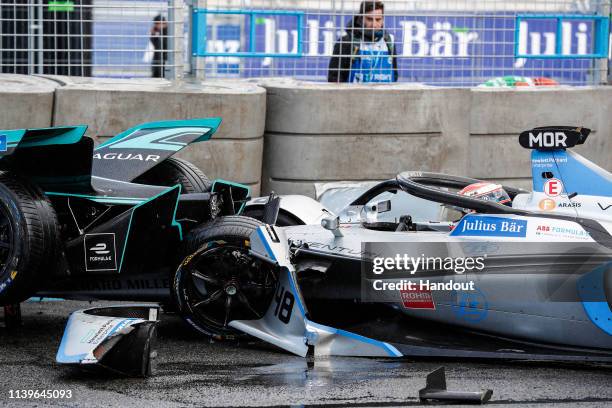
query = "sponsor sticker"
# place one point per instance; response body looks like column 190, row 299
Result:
column 553, row 187
column 490, row 227
column 548, row 139
column 569, row 204
column 100, row 252
column 547, row 162
column 126, row 156
column 417, row 299
column 472, row 306
column 3, row 143
column 561, row 231
column 547, row 204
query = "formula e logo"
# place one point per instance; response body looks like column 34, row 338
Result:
column 100, row 252
column 99, row 249
column 548, row 139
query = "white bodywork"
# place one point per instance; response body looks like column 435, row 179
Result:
column 305, row 209
column 85, row 332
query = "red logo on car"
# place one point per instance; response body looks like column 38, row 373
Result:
column 553, row 187
column 417, row 299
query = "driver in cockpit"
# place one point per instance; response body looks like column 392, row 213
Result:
column 487, row 192
column 482, row 191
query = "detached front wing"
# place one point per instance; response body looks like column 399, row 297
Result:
column 119, row 338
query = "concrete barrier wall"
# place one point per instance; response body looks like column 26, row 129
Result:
column 25, row 101
column 325, row 132
column 111, row 106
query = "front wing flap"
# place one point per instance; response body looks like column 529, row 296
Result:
column 119, row 338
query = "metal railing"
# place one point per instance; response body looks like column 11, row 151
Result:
column 108, row 38
column 439, row 42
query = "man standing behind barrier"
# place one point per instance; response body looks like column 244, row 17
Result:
column 366, row 53
column 159, row 39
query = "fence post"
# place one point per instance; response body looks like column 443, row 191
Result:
column 604, row 63
column 199, row 62
column 177, row 51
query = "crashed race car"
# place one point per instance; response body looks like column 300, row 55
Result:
column 104, row 222
column 539, row 286
column 110, row 222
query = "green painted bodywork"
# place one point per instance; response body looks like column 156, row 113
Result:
column 37, row 137
column 212, row 123
column 19, row 138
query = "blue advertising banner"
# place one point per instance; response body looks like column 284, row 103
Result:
column 440, row 49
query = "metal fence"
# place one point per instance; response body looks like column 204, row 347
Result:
column 439, row 42
column 108, row 38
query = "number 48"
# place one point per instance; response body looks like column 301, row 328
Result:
column 284, row 304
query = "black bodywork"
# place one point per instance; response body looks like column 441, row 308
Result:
column 118, row 238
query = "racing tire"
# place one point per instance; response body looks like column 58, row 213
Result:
column 284, row 219
column 135, row 354
column 29, row 237
column 173, row 171
column 219, row 281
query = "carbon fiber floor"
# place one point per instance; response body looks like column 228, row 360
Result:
column 195, row 372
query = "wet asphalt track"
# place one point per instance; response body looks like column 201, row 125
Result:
column 194, row 372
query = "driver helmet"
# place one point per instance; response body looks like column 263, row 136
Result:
column 487, row 192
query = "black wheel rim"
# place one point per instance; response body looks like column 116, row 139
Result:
column 6, row 240
column 225, row 283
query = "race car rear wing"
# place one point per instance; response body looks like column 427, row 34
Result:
column 50, row 156
column 11, row 140
column 553, row 137
column 572, row 174
column 63, row 158
column 139, row 149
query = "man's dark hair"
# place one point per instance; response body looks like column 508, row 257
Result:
column 159, row 17
column 370, row 5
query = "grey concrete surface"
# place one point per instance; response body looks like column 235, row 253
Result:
column 26, row 101
column 193, row 372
